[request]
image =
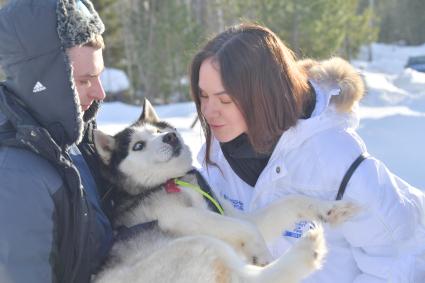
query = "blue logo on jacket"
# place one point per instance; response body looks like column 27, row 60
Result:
column 236, row 203
column 300, row 228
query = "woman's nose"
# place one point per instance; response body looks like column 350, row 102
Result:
column 209, row 108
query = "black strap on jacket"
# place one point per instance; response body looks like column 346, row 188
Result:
column 348, row 175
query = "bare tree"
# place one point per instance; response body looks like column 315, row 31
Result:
column 2, row 76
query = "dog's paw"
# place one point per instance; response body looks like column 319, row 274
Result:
column 337, row 212
column 250, row 244
column 255, row 251
column 311, row 249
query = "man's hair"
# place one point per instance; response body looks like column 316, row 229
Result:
column 96, row 42
column 261, row 76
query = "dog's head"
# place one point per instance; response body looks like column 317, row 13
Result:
column 145, row 154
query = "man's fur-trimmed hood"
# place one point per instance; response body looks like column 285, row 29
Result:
column 337, row 73
column 34, row 36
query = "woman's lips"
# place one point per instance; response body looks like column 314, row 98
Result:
column 216, row 126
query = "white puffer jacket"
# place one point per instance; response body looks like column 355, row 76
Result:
column 386, row 241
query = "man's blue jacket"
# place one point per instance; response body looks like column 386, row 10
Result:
column 52, row 222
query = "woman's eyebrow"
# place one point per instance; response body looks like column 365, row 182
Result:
column 216, row 93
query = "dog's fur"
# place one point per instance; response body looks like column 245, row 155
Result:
column 191, row 243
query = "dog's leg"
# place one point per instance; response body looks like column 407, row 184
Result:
column 185, row 259
column 302, row 259
column 242, row 235
column 285, row 212
column 305, row 257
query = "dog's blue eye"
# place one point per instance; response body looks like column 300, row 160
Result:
column 138, row 146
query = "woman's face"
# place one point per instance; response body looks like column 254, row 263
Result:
column 221, row 113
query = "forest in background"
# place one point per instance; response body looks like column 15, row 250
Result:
column 153, row 40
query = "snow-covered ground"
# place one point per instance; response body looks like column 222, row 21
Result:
column 392, row 113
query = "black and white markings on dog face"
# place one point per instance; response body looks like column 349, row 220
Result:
column 126, row 140
column 158, row 142
column 153, row 152
column 121, row 150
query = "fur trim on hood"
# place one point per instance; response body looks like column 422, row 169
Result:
column 336, row 72
column 78, row 22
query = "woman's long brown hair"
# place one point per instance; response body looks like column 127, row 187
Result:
column 260, row 74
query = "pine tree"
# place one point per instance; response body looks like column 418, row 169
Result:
column 311, row 28
column 113, row 28
column 402, row 21
column 154, row 40
column 158, row 37
column 2, row 75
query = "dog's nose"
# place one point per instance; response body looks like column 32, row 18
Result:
column 170, row 138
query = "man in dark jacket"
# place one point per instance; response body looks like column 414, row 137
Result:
column 53, row 226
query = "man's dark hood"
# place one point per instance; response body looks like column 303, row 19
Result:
column 34, row 35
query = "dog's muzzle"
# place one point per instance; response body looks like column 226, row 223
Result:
column 173, row 140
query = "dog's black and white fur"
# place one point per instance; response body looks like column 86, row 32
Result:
column 189, row 242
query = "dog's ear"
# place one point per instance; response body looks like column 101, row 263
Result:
column 148, row 113
column 104, row 144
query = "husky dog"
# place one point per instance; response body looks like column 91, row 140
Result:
column 187, row 241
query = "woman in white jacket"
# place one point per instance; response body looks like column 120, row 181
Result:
column 276, row 127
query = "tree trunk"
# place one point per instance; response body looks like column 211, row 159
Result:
column 128, row 41
column 295, row 28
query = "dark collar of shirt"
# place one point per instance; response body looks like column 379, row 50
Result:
column 245, row 162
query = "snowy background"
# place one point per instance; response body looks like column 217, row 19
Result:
column 392, row 113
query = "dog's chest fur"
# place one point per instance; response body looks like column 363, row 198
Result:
column 132, row 210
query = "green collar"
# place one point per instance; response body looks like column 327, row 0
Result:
column 202, row 192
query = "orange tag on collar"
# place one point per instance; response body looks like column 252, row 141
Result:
column 171, row 187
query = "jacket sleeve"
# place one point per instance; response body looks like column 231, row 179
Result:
column 383, row 236
column 27, row 225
